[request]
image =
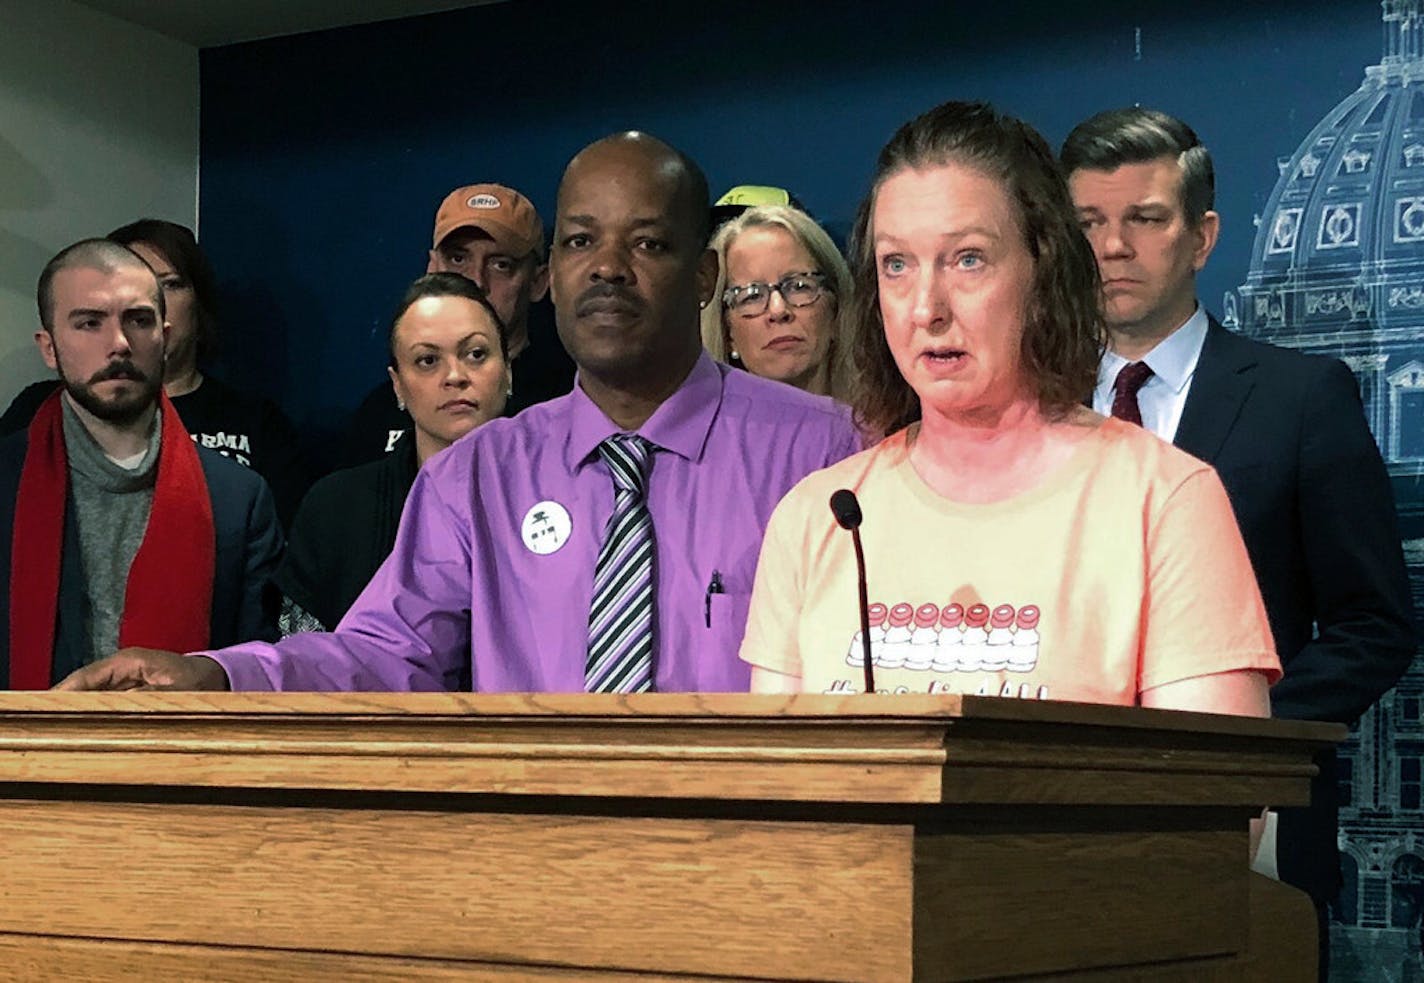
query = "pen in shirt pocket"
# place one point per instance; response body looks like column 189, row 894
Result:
column 714, row 586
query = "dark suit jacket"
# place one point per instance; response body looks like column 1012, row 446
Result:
column 1287, row 435
column 248, row 541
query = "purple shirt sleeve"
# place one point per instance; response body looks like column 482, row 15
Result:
column 409, row 629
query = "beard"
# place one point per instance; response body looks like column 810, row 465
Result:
column 120, row 409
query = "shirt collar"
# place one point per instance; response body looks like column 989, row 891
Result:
column 680, row 425
column 1174, row 360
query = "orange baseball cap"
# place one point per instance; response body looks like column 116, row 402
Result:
column 504, row 213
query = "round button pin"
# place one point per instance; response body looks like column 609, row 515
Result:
column 546, row 528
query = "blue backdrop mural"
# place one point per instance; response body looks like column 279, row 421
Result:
column 1338, row 268
column 324, row 156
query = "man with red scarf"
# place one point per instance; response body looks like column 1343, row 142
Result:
column 115, row 529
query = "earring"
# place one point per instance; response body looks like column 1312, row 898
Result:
column 509, row 389
column 733, row 354
column 400, row 404
column 702, row 305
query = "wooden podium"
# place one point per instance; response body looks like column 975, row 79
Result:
column 232, row 836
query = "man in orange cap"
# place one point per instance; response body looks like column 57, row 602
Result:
column 492, row 235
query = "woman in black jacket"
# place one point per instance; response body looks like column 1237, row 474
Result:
column 450, row 371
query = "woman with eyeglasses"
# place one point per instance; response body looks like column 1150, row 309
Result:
column 782, row 302
column 1016, row 543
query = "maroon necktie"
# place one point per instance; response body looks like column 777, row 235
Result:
column 1130, row 378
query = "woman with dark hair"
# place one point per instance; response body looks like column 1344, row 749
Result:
column 190, row 294
column 450, row 371
column 247, row 428
column 1018, row 544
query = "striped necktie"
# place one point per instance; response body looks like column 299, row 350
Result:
column 620, row 619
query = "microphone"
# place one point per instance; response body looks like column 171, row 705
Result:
column 847, row 512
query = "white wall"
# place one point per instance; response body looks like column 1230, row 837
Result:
column 98, row 127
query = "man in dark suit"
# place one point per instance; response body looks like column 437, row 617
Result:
column 115, row 529
column 1284, row 430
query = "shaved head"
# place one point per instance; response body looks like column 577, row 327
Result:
column 90, row 254
column 103, row 331
column 663, row 159
column 629, row 270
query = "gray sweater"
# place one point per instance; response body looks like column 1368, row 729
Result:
column 111, row 505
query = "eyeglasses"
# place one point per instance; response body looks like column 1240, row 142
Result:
column 796, row 289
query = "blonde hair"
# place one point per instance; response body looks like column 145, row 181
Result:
column 827, row 260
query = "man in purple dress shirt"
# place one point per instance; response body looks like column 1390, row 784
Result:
column 490, row 583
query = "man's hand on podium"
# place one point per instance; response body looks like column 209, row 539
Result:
column 140, row 668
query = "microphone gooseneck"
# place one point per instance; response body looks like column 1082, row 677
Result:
column 846, row 509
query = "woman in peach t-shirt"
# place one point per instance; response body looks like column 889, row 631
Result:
column 1017, row 543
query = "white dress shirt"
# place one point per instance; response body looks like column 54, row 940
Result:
column 1173, row 363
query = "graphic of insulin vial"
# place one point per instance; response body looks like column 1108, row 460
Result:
column 1001, row 637
column 951, row 638
column 976, row 638
column 923, row 638
column 896, row 647
column 855, row 656
column 1023, row 654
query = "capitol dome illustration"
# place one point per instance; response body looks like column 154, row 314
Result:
column 1338, row 262
column 1337, row 268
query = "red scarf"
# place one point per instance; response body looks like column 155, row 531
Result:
column 169, row 596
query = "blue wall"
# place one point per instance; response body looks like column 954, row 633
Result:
column 324, row 155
